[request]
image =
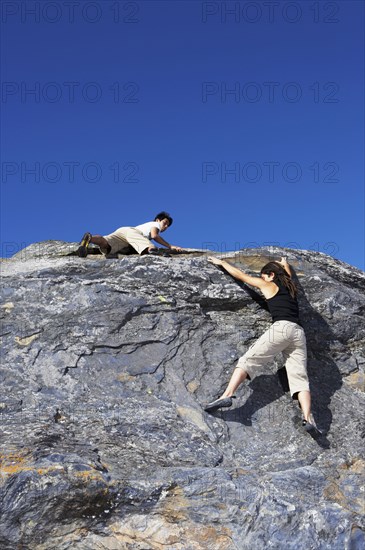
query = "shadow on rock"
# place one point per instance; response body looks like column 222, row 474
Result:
column 265, row 390
column 324, row 376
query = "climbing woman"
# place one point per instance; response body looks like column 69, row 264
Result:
column 285, row 335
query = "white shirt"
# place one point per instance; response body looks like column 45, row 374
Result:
column 146, row 228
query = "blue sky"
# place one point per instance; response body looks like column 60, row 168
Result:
column 244, row 120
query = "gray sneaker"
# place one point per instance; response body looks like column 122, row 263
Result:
column 310, row 425
column 219, row 403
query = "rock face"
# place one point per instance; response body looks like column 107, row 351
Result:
column 105, row 368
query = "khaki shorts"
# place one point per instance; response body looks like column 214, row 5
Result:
column 285, row 337
column 125, row 236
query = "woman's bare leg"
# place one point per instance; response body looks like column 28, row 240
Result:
column 239, row 375
column 304, row 398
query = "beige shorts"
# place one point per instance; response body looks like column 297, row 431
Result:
column 125, row 236
column 285, row 337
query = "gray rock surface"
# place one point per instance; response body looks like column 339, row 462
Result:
column 105, row 368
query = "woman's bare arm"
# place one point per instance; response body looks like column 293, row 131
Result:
column 238, row 274
column 285, row 265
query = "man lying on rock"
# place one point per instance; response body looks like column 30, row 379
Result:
column 139, row 238
column 285, row 335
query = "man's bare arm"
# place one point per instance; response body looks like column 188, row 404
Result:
column 156, row 237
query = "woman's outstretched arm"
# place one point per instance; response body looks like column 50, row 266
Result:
column 238, row 274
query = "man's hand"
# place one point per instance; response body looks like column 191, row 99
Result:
column 215, row 261
column 177, row 248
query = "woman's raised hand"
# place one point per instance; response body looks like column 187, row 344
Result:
column 215, row 261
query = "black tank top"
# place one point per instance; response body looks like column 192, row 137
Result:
column 283, row 307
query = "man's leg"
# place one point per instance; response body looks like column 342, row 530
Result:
column 82, row 251
column 139, row 242
column 113, row 242
column 100, row 241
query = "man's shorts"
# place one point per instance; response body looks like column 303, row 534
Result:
column 125, row 236
column 285, row 337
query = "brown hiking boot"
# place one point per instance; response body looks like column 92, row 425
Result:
column 85, row 241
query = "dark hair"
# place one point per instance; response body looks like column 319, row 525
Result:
column 162, row 215
column 281, row 276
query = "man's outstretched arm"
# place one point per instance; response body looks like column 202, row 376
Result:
column 156, row 237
